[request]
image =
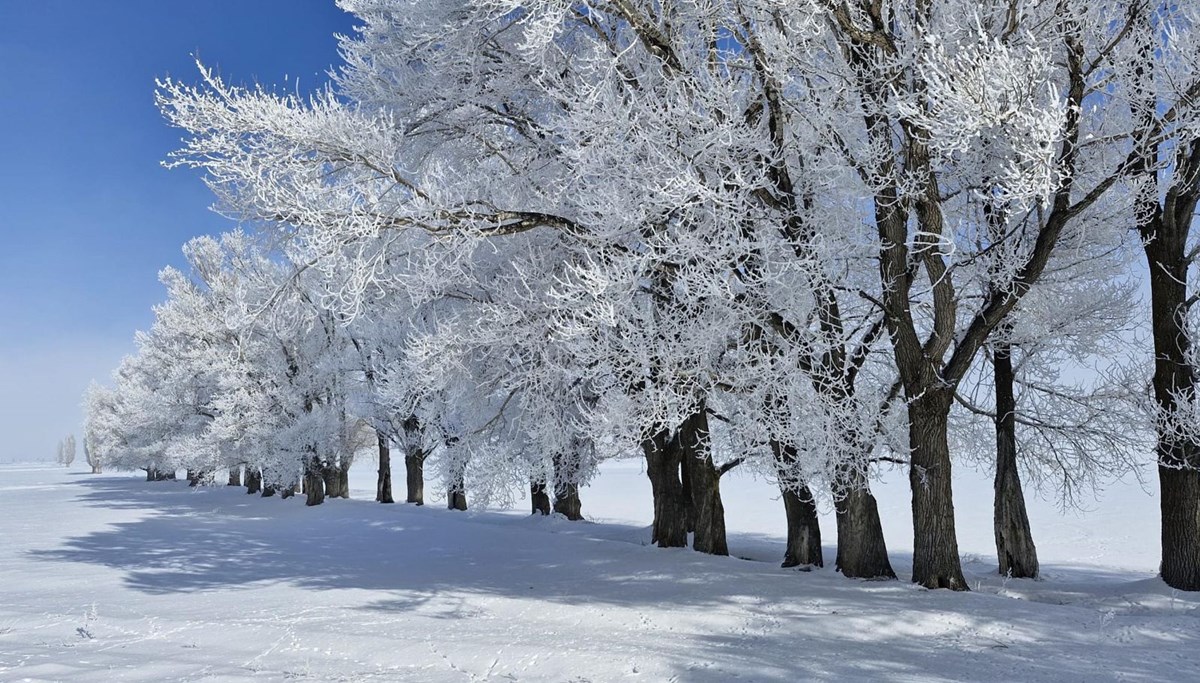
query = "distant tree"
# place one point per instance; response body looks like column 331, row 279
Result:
column 68, row 450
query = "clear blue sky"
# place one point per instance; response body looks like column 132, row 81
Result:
column 87, row 214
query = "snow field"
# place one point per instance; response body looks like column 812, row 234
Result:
column 112, row 578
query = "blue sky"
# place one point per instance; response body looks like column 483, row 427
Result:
column 87, row 214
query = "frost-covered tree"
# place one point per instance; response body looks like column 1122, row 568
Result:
column 715, row 234
column 1160, row 86
column 68, row 450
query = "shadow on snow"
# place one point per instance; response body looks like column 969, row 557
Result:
column 772, row 624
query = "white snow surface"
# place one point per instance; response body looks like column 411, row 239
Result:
column 110, row 578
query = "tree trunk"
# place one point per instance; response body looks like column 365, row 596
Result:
column 566, row 501
column 333, row 481
column 383, row 483
column 253, row 479
column 861, row 551
column 662, row 467
column 414, row 461
column 689, row 508
column 1174, row 379
column 1014, row 539
column 799, row 506
column 803, row 530
column 268, row 490
column 151, row 474
column 935, row 554
column 193, row 477
column 343, row 476
column 566, row 486
column 414, row 476
column 704, row 485
column 235, row 476
column 539, row 498
column 314, row 484
column 456, row 494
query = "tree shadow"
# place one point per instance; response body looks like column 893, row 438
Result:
column 751, row 619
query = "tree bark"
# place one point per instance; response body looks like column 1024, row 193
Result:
column 566, row 486
column 343, row 475
column 414, row 475
column 662, row 467
column 414, row 461
column 566, row 501
column 314, row 483
column 1014, row 539
column 799, row 507
column 383, row 483
column 253, row 479
column 539, row 498
column 704, row 484
column 935, row 554
column 803, row 530
column 332, row 480
column 861, row 551
column 235, row 476
column 689, row 509
column 1174, row 379
column 456, row 495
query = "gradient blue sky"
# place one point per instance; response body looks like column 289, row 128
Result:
column 87, row 214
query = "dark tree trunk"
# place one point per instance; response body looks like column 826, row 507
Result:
column 314, row 484
column 287, row 492
column 539, row 498
column 253, row 480
column 704, row 485
column 151, row 474
column 799, row 506
column 456, row 494
column 414, row 476
column 861, row 551
column 689, row 508
column 1179, row 491
column 935, row 554
column 803, row 530
column 333, row 481
column 414, row 461
column 343, row 475
column 193, row 477
column 662, row 467
column 167, row 475
column 566, row 501
column 235, row 476
column 1014, row 539
column 383, row 483
column 566, row 486
column 268, row 490
column 1174, row 378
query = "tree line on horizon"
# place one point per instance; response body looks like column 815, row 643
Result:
column 809, row 238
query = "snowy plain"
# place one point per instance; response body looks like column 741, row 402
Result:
column 110, row 578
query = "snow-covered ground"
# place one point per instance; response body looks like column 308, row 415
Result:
column 110, row 578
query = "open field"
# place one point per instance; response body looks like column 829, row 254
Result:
column 112, row 578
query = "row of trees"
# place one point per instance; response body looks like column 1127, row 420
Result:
column 802, row 238
column 65, row 453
